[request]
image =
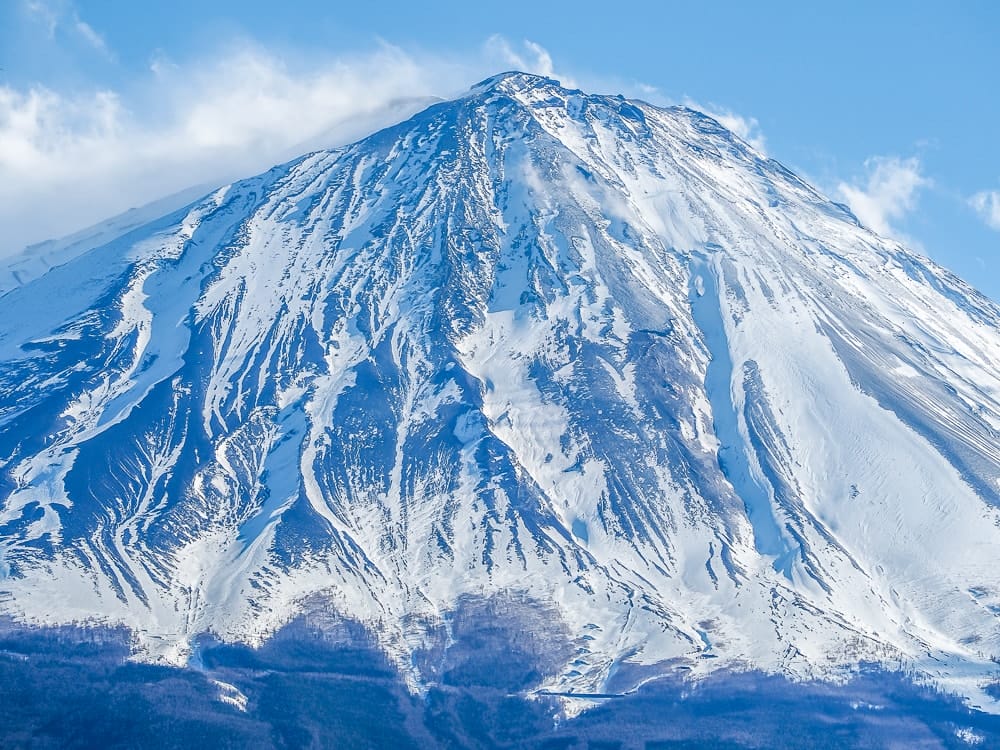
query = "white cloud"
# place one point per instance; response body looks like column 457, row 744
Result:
column 987, row 205
column 89, row 35
column 533, row 58
column 55, row 15
column 71, row 159
column 888, row 194
column 747, row 129
column 44, row 14
column 68, row 160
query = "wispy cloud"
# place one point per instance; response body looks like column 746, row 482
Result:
column 62, row 16
column 987, row 205
column 44, row 14
column 887, row 194
column 745, row 128
column 530, row 58
column 71, row 159
column 90, row 36
column 97, row 153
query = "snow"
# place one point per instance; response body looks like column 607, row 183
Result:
column 231, row 695
column 590, row 351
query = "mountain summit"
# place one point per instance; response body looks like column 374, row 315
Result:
column 594, row 368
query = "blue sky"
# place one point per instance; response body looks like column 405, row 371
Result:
column 890, row 106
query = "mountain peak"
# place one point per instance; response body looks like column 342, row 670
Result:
column 514, row 81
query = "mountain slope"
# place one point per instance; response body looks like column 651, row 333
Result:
column 594, row 360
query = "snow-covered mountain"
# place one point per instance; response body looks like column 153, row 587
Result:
column 593, row 359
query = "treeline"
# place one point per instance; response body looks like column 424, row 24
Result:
column 62, row 688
